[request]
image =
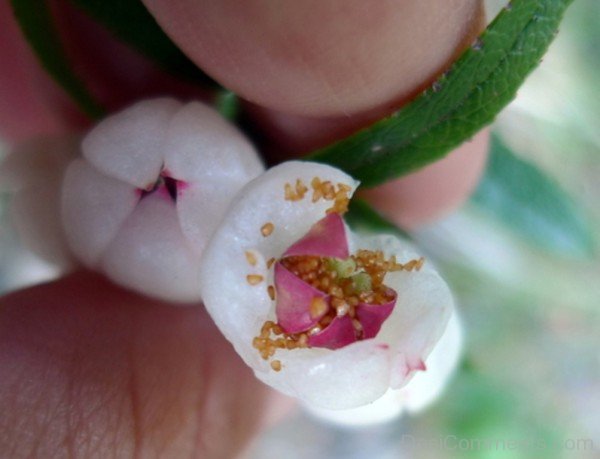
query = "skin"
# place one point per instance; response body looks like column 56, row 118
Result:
column 92, row 370
column 89, row 369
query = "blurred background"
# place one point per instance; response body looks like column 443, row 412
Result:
column 522, row 260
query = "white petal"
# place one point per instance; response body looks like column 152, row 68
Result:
column 151, row 255
column 422, row 311
column 199, row 211
column 38, row 162
column 202, row 146
column 419, row 393
column 130, row 145
column 35, row 213
column 426, row 386
column 94, row 207
column 345, row 378
column 33, row 172
column 214, row 160
column 384, row 409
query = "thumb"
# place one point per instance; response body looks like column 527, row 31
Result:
column 90, row 369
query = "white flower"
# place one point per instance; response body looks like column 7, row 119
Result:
column 153, row 183
column 273, row 219
column 32, row 174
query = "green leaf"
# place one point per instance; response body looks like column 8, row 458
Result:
column 496, row 419
column 462, row 101
column 532, row 204
column 131, row 22
column 35, row 21
column 227, row 104
column 362, row 217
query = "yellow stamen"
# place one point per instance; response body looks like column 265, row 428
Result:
column 318, row 307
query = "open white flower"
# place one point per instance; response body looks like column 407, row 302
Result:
column 333, row 318
column 153, row 183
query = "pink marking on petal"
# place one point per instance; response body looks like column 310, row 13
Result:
column 294, row 297
column 372, row 316
column 182, row 186
column 326, row 238
column 411, row 365
column 339, row 333
column 163, row 192
column 148, row 188
column 385, row 347
column 420, row 366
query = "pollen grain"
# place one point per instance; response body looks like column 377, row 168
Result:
column 251, row 258
column 295, row 193
column 271, row 292
column 318, row 307
column 340, row 194
column 272, row 337
column 254, row 279
column 267, row 229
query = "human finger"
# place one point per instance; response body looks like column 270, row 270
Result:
column 91, row 369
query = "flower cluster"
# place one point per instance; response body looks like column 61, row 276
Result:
column 170, row 200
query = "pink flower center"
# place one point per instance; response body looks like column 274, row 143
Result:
column 165, row 185
column 335, row 302
column 326, row 297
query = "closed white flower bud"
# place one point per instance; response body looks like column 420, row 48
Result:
column 153, row 183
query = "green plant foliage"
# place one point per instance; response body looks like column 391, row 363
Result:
column 530, row 203
column 227, row 104
column 462, row 101
column 36, row 23
column 486, row 419
column 362, row 217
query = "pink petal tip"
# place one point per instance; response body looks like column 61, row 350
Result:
column 326, row 238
